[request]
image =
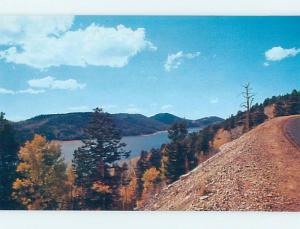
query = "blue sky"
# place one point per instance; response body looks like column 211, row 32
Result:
column 189, row 66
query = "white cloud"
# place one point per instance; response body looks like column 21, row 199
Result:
column 175, row 60
column 51, row 83
column 266, row 64
column 46, row 41
column 167, row 107
column 31, row 91
column 38, row 86
column 6, row 91
column 279, row 53
column 214, row 100
column 25, row 91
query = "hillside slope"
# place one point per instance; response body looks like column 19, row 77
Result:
column 71, row 126
column 169, row 119
column 258, row 171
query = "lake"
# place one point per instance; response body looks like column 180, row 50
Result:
column 133, row 143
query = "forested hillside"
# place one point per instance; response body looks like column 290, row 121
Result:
column 71, row 126
column 170, row 119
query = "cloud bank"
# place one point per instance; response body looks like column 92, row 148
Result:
column 49, row 41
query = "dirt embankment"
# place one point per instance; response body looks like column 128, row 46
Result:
column 258, row 171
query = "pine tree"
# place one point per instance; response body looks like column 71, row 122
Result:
column 95, row 162
column 191, row 160
column 41, row 184
column 206, row 136
column 155, row 158
column 174, row 158
column 257, row 115
column 293, row 103
column 8, row 163
column 280, row 109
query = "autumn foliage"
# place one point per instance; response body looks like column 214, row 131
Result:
column 41, row 184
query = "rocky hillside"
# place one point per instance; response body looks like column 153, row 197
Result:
column 258, row 171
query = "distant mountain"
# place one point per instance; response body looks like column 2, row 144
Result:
column 71, row 126
column 166, row 118
column 169, row 119
column 203, row 122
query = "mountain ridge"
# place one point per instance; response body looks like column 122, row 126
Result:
column 70, row 126
column 169, row 119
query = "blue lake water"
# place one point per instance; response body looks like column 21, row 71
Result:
column 133, row 143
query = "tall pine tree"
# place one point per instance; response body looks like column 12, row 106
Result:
column 174, row 159
column 95, row 162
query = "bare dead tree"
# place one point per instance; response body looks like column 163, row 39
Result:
column 247, row 104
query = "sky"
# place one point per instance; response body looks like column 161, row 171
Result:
column 192, row 67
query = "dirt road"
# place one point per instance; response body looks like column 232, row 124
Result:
column 292, row 128
column 260, row 171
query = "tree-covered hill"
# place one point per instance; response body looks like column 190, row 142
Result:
column 71, row 126
column 169, row 119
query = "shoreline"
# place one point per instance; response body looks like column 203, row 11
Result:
column 142, row 135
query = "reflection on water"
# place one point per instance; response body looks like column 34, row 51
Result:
column 134, row 143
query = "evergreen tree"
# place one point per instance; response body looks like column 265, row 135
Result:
column 257, row 115
column 293, row 103
column 8, row 163
column 206, row 136
column 175, row 153
column 155, row 158
column 191, row 160
column 280, row 109
column 95, row 162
